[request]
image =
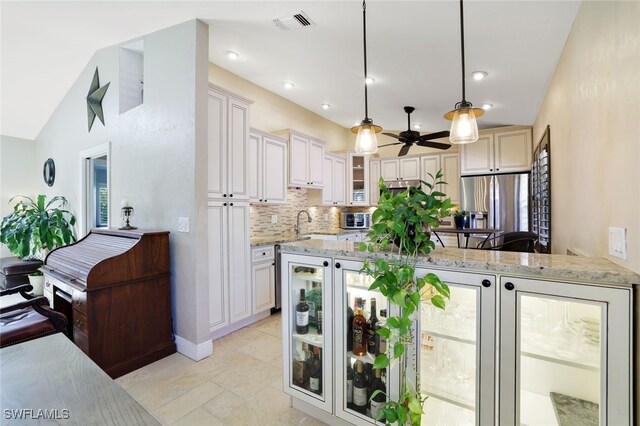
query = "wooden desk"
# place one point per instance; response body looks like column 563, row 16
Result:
column 52, row 374
column 466, row 232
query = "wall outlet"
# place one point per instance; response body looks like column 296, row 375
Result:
column 274, row 218
column 183, row 224
column 326, row 217
column 618, row 242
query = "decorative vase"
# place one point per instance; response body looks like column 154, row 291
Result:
column 37, row 282
column 460, row 221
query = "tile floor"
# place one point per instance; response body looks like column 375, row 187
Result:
column 240, row 384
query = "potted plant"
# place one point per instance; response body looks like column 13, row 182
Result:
column 461, row 218
column 406, row 220
column 36, row 279
column 36, row 227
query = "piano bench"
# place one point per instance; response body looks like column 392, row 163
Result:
column 15, row 272
column 29, row 320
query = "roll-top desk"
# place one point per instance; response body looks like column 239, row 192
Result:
column 114, row 287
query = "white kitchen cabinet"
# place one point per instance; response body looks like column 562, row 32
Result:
column 449, row 164
column 228, row 145
column 392, row 169
column 358, row 179
column 263, row 278
column 334, row 189
column 229, row 263
column 497, row 151
column 374, row 179
column 567, row 344
column 267, row 168
column 305, row 165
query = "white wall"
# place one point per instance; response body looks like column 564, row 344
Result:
column 158, row 155
column 591, row 106
column 19, row 175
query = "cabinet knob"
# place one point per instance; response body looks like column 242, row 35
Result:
column 265, row 201
column 497, row 170
column 260, row 199
column 47, row 284
column 79, row 323
column 490, row 170
column 509, row 286
column 264, row 254
column 224, row 195
column 224, row 204
column 230, row 195
column 325, row 263
column 273, row 264
column 78, row 302
column 338, row 265
column 486, row 283
column 231, row 204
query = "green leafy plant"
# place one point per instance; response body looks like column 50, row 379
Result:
column 460, row 213
column 405, row 219
column 36, row 227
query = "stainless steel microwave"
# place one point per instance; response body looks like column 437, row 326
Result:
column 355, row 220
column 398, row 186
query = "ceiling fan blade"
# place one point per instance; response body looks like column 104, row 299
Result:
column 437, row 135
column 404, row 150
column 432, row 144
column 389, row 144
column 391, row 134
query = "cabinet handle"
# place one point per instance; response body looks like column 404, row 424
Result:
column 264, row 254
column 497, row 170
column 224, row 195
column 230, row 195
column 79, row 323
column 78, row 302
column 509, row 286
column 325, row 263
column 486, row 283
column 260, row 199
column 265, row 201
column 47, row 284
column 273, row 264
column 338, row 265
column 490, row 170
column 225, row 204
column 231, row 204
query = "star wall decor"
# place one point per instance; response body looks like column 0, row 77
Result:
column 94, row 99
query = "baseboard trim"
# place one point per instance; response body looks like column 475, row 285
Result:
column 216, row 334
column 194, row 351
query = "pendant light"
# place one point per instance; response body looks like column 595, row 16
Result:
column 464, row 128
column 366, row 142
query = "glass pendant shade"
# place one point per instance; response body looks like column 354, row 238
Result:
column 366, row 140
column 464, row 127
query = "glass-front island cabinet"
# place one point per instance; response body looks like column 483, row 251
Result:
column 511, row 347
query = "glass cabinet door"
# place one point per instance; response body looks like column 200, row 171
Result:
column 358, row 170
column 307, row 328
column 568, row 345
column 456, row 355
column 359, row 312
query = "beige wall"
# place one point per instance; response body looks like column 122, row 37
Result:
column 271, row 112
column 591, row 106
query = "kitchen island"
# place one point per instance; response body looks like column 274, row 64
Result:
column 540, row 337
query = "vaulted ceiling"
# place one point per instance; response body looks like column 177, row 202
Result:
column 413, row 53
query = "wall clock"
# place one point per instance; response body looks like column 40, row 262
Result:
column 49, row 172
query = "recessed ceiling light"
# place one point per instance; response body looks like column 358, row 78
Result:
column 289, row 85
column 326, row 106
column 369, row 80
column 487, row 106
column 479, row 75
column 232, row 55
column 417, row 126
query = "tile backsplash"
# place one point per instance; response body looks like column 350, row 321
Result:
column 261, row 225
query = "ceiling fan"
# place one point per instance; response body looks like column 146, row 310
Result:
column 410, row 137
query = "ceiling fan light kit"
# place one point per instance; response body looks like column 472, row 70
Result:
column 409, row 137
column 366, row 141
column 464, row 127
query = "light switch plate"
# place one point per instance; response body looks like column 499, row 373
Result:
column 618, row 242
column 274, row 218
column 183, row 224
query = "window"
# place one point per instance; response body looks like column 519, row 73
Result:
column 95, row 193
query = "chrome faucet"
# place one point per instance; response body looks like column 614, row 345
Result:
column 297, row 228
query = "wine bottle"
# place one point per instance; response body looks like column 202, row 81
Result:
column 349, row 325
column 359, row 389
column 302, row 315
column 349, row 385
column 372, row 326
column 378, row 400
column 315, row 381
column 319, row 320
column 359, row 332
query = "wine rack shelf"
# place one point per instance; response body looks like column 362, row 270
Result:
column 311, row 337
column 450, row 337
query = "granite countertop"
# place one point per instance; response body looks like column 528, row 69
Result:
column 572, row 268
column 288, row 238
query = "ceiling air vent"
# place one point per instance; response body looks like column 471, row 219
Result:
column 293, row 22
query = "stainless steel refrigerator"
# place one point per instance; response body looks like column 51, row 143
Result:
column 497, row 201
